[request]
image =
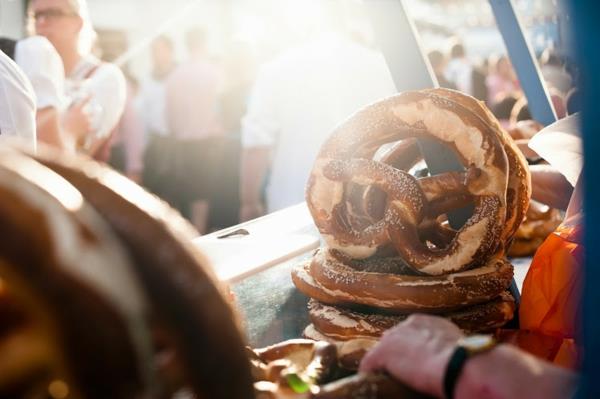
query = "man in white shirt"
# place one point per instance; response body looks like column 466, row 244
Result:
column 66, row 24
column 57, row 124
column 17, row 103
column 296, row 102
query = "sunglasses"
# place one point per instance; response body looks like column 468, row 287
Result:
column 51, row 14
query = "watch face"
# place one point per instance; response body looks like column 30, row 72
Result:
column 477, row 343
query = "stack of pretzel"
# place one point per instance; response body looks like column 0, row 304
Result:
column 389, row 250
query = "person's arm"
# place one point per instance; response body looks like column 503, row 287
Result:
column 107, row 88
column 418, row 350
column 507, row 372
column 62, row 131
column 133, row 137
column 17, row 103
column 550, row 187
column 254, row 165
column 48, row 127
column 259, row 130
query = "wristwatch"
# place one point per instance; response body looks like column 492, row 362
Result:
column 465, row 348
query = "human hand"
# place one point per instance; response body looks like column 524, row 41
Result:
column 77, row 122
column 251, row 211
column 416, row 352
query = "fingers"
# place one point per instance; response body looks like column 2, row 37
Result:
column 374, row 360
column 392, row 340
column 417, row 330
column 435, row 323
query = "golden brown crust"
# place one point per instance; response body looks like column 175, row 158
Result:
column 519, row 177
column 333, row 282
column 525, row 130
column 350, row 352
column 53, row 246
column 183, row 292
column 539, row 223
column 343, row 162
column 344, row 324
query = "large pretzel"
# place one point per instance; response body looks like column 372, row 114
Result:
column 346, row 159
column 344, row 324
column 333, row 280
column 71, row 312
column 405, row 154
column 81, row 244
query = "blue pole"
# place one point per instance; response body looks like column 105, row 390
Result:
column 524, row 62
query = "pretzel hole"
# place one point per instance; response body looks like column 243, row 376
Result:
column 367, row 204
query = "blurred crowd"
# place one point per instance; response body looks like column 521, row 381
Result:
column 219, row 137
column 495, row 82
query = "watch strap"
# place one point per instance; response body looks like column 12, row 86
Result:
column 455, row 365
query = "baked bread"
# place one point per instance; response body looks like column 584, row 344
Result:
column 74, row 316
column 187, row 328
column 389, row 249
column 539, row 223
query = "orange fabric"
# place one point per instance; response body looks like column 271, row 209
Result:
column 540, row 345
column 551, row 295
column 569, row 355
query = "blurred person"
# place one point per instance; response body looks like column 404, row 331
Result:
column 195, row 130
column 297, row 100
column 151, row 103
column 57, row 124
column 17, row 103
column 460, row 70
column 502, row 81
column 479, row 77
column 558, row 102
column 239, row 71
column 191, row 92
column 520, row 112
column 554, row 71
column 438, row 62
column 127, row 141
column 151, row 98
column 503, row 108
column 66, row 24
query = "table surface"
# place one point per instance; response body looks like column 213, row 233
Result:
column 257, row 260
